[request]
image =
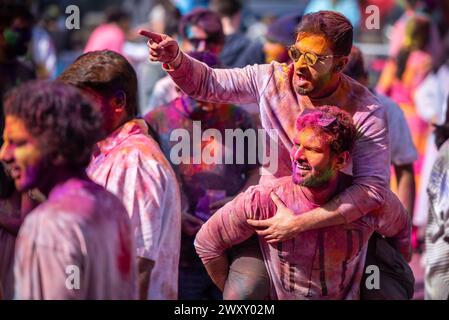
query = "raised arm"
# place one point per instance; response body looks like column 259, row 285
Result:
column 239, row 86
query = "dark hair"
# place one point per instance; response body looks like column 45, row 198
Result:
column 355, row 68
column 63, row 121
column 105, row 72
column 333, row 25
column 335, row 122
column 226, row 8
column 207, row 20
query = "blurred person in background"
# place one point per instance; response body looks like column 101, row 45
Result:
column 16, row 24
column 280, row 35
column 437, row 230
column 110, row 35
column 199, row 31
column 403, row 152
column 43, row 47
column 399, row 34
column 239, row 50
column 402, row 76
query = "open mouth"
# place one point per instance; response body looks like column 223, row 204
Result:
column 14, row 172
column 302, row 165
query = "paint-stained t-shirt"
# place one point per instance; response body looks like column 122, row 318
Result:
column 76, row 245
column 130, row 164
column 270, row 86
column 324, row 263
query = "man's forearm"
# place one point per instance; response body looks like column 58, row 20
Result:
column 218, row 270
column 322, row 217
column 406, row 186
column 144, row 267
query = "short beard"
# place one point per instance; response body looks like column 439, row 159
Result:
column 320, row 181
column 304, row 91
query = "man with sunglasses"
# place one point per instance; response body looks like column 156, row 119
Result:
column 314, row 79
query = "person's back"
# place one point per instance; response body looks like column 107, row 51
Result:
column 91, row 252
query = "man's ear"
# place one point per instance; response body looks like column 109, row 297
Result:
column 342, row 160
column 118, row 101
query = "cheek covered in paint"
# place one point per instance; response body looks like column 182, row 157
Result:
column 29, row 163
column 311, row 162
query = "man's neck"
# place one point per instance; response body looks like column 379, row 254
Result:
column 321, row 195
column 333, row 85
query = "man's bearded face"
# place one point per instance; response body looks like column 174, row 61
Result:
column 309, row 80
column 313, row 163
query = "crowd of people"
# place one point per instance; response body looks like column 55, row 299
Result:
column 177, row 155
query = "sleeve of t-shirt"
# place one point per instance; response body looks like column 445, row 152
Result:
column 371, row 163
column 238, row 86
column 394, row 222
column 228, row 226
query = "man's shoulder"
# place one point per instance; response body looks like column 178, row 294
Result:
column 361, row 96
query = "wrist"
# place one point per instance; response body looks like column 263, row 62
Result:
column 175, row 63
column 298, row 224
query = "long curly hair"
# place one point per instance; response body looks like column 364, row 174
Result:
column 64, row 122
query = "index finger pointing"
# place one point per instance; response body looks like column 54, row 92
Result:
column 156, row 37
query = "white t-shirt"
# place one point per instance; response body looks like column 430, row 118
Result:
column 76, row 245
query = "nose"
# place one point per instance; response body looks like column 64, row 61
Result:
column 6, row 153
column 298, row 152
